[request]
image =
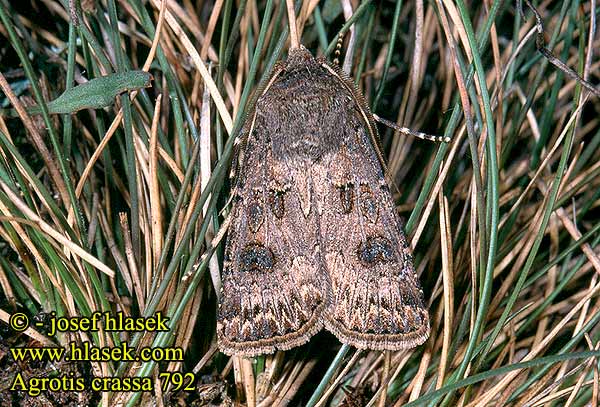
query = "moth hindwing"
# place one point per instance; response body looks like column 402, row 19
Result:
column 315, row 239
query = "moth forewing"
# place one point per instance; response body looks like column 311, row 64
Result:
column 365, row 112
column 273, row 293
column 377, row 302
column 241, row 139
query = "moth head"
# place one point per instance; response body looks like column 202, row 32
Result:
column 298, row 58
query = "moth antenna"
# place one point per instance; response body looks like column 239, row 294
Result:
column 541, row 47
column 338, row 49
column 295, row 43
column 409, row 132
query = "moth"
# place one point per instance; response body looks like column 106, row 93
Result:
column 315, row 240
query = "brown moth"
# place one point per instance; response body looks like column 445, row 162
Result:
column 315, row 240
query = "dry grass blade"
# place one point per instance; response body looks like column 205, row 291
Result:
column 125, row 208
column 46, row 228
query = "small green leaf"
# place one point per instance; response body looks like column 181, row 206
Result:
column 98, row 93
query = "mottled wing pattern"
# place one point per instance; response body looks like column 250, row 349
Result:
column 274, row 289
column 376, row 299
column 314, row 236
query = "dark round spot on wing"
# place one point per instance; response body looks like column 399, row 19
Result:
column 375, row 250
column 256, row 257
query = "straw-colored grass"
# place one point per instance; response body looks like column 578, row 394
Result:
column 120, row 208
